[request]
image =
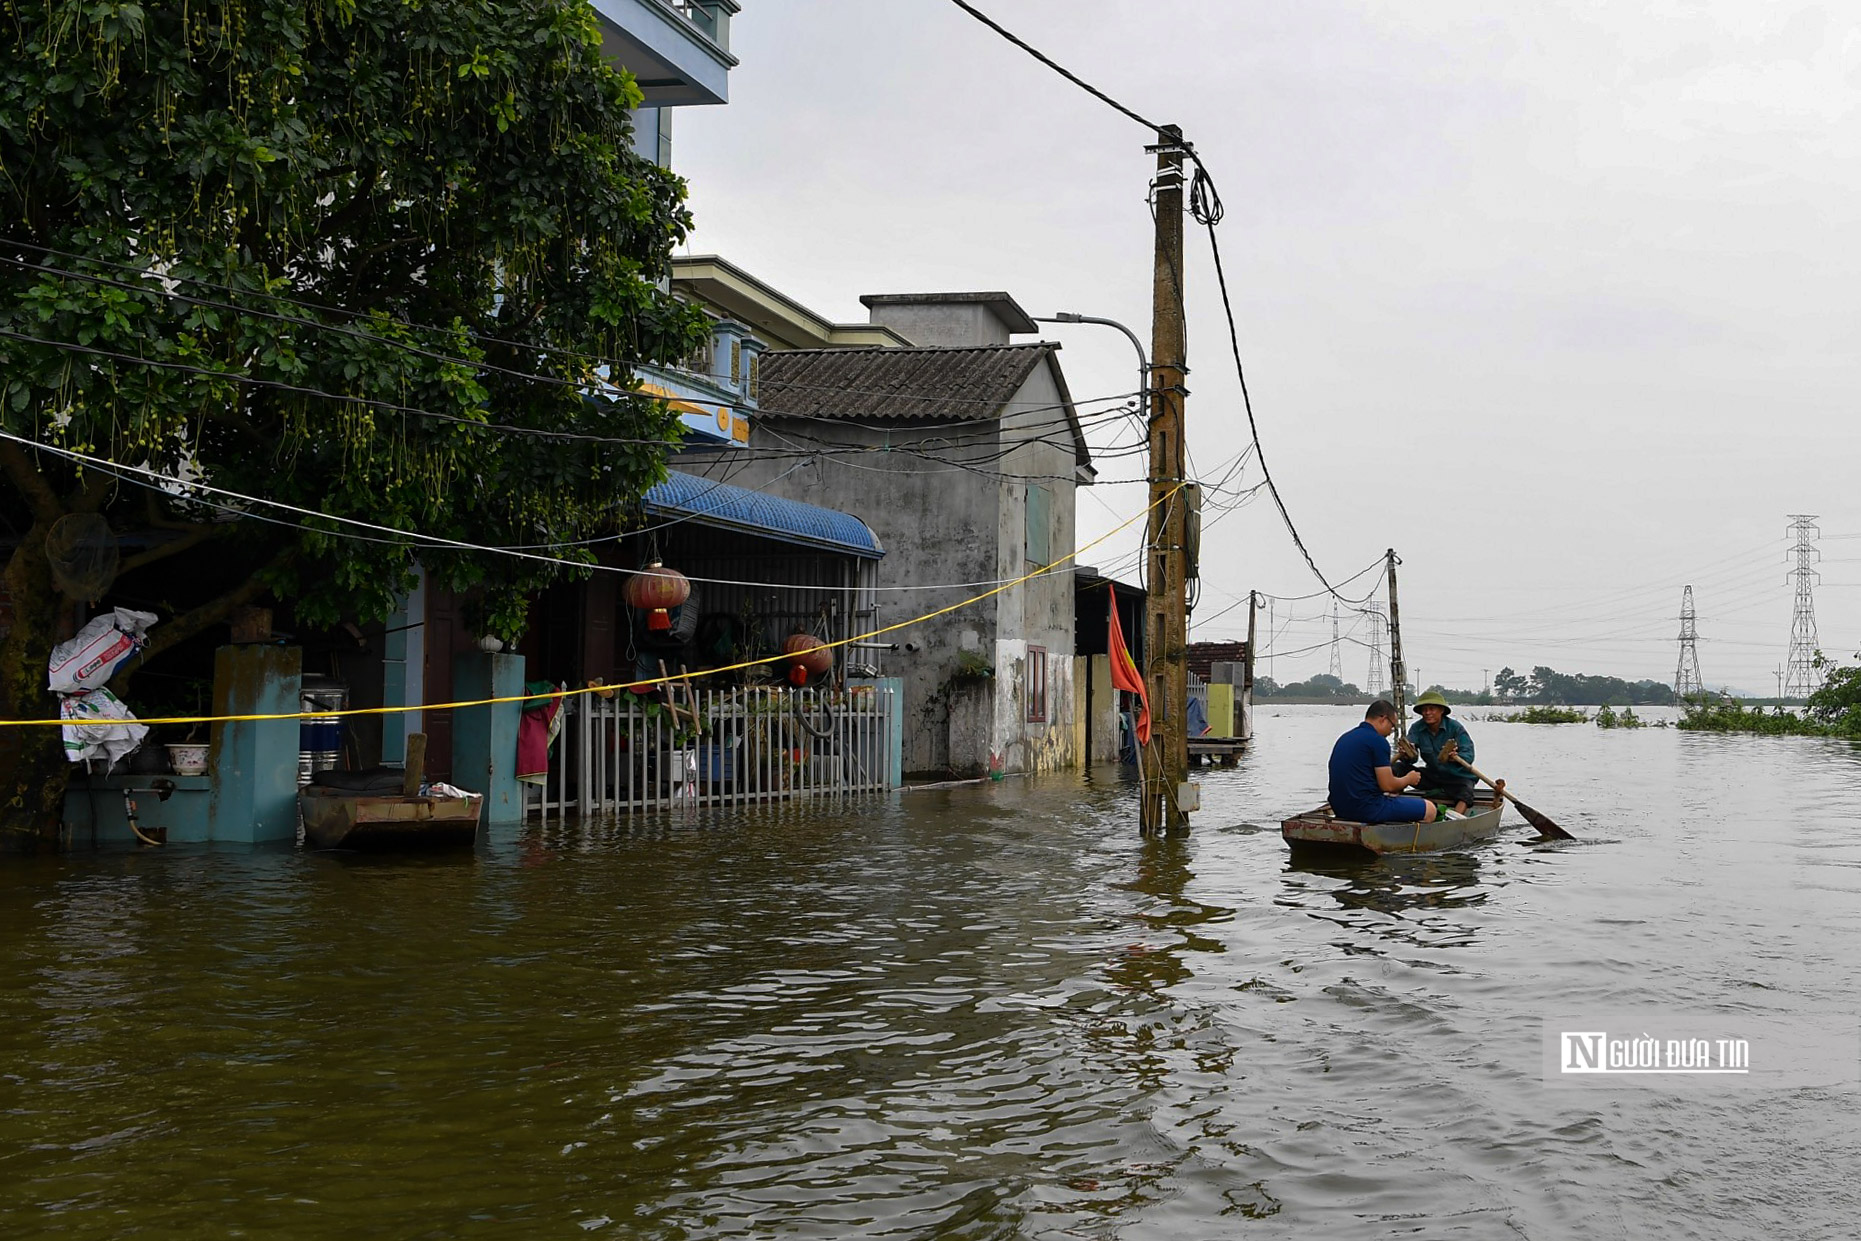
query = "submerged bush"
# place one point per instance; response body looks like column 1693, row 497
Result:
column 1547, row 715
column 1723, row 715
column 1606, row 717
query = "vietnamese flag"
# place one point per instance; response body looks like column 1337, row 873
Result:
column 1124, row 674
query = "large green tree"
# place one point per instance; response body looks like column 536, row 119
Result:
column 313, row 252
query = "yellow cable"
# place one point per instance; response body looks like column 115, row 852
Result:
column 629, row 685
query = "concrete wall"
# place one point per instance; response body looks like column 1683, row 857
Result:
column 958, row 324
column 943, row 523
column 1104, row 698
column 1040, row 611
column 938, row 524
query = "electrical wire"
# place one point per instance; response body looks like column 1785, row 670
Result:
column 168, row 485
column 1054, row 65
column 1031, row 574
column 421, row 412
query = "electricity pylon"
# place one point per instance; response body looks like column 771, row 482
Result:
column 1337, row 658
column 1802, row 677
column 1379, row 622
column 1686, row 674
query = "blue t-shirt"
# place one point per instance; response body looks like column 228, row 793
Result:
column 1355, row 793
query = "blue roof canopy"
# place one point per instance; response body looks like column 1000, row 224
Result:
column 753, row 512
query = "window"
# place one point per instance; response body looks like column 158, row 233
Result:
column 1037, row 684
column 1039, row 536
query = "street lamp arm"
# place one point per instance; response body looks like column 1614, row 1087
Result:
column 1067, row 316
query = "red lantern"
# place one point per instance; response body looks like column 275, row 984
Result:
column 807, row 656
column 656, row 590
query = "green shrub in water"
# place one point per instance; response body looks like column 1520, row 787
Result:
column 1547, row 715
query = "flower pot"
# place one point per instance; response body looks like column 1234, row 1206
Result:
column 188, row 759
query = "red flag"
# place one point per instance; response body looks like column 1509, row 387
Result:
column 1124, row 674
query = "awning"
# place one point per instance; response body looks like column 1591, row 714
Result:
column 753, row 512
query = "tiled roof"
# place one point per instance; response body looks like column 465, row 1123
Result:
column 862, row 384
column 1203, row 656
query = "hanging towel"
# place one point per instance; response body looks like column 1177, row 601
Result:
column 536, row 732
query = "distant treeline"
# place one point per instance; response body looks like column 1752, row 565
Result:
column 1549, row 685
column 1546, row 685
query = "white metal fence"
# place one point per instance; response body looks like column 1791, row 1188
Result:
column 626, row 754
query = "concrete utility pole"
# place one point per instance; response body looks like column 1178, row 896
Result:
column 1165, row 762
column 1253, row 610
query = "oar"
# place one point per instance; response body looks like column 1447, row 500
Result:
column 1546, row 828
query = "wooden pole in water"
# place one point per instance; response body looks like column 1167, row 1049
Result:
column 414, row 774
column 1164, row 763
column 1398, row 671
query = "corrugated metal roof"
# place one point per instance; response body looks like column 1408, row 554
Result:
column 863, row 384
column 739, row 508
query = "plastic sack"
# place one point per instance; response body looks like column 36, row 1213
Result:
column 114, row 734
column 87, row 661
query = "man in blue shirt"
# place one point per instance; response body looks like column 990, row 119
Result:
column 1437, row 740
column 1362, row 783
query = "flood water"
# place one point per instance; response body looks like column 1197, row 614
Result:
column 983, row 1012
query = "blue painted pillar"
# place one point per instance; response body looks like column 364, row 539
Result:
column 403, row 668
column 253, row 763
column 484, row 739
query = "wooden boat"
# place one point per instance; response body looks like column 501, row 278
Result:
column 347, row 818
column 1320, row 831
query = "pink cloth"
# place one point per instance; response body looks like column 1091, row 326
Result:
column 535, row 731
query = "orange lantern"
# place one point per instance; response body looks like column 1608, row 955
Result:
column 656, row 590
column 807, row 657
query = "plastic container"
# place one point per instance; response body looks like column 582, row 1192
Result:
column 718, row 763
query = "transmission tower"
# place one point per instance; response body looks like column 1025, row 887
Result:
column 1337, row 661
column 1379, row 623
column 1801, row 678
column 1686, row 674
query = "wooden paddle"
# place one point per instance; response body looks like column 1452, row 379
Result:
column 1546, row 828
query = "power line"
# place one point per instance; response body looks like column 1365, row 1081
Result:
column 1209, row 218
column 1054, row 65
column 421, row 412
column 168, row 485
column 473, row 363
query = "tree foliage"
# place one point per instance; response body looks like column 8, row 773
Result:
column 1551, row 686
column 1323, row 685
column 241, row 241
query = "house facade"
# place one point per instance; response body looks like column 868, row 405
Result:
column 961, row 451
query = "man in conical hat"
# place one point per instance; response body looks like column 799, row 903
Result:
column 1438, row 740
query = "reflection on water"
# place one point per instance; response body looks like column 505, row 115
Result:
column 980, row 1012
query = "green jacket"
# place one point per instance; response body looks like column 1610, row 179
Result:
column 1428, row 744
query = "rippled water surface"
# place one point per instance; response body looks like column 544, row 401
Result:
column 988, row 1011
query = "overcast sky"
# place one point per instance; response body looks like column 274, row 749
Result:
column 1558, row 300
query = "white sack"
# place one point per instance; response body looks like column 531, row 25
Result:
column 99, row 740
column 88, row 660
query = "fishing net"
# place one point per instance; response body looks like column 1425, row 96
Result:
column 83, row 555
